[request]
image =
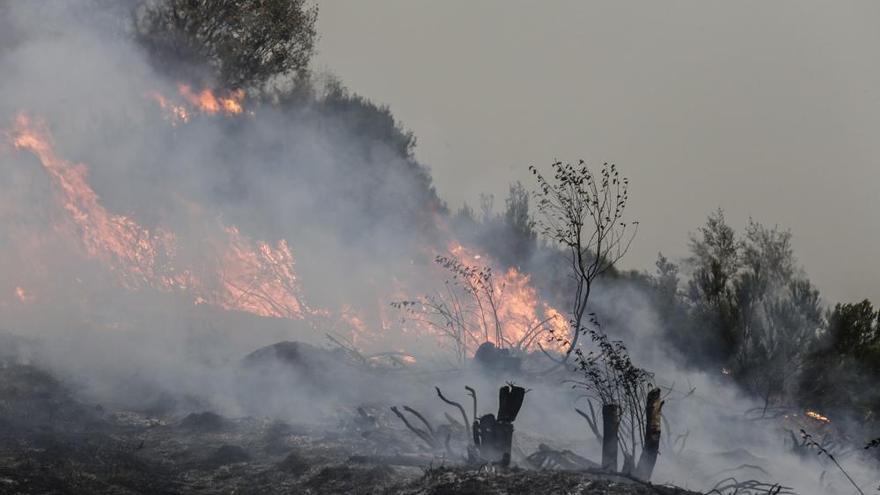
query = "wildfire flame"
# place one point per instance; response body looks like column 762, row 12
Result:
column 177, row 114
column 237, row 273
column 251, row 277
column 205, row 100
column 525, row 321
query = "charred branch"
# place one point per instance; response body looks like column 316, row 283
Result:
column 454, row 404
column 425, row 436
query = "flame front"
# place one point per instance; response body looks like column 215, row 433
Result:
column 249, row 276
column 234, row 272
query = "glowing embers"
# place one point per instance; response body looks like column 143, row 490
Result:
column 176, row 114
column 817, row 416
column 234, row 272
column 23, row 295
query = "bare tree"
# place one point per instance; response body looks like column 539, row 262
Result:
column 583, row 212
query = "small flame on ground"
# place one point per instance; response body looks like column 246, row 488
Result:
column 817, row 416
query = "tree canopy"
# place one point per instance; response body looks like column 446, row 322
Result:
column 239, row 43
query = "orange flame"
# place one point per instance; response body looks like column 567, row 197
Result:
column 177, row 114
column 251, row 277
column 525, row 321
column 205, row 100
column 238, row 273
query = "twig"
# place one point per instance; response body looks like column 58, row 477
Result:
column 591, row 422
column 808, row 439
column 461, row 409
column 421, row 434
column 473, row 394
column 422, row 418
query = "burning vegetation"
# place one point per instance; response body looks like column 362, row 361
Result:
column 163, row 338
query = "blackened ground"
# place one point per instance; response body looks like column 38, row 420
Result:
column 50, row 442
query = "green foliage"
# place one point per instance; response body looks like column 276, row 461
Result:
column 747, row 306
column 243, row 43
column 844, row 365
column 376, row 124
column 711, row 290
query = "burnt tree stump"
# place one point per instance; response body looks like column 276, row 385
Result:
column 651, row 447
column 493, row 436
column 610, row 432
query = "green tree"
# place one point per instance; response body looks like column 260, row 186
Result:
column 842, row 370
column 752, row 307
column 243, row 43
column 715, row 261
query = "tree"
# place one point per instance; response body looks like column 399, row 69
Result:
column 854, row 328
column 843, row 366
column 715, row 262
column 519, row 223
column 243, row 43
column 668, row 301
column 752, row 308
column 779, row 312
column 583, row 213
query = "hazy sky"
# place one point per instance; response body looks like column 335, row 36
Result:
column 766, row 109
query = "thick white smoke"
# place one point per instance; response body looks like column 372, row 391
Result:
column 344, row 201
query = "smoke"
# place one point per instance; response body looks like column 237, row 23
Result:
column 350, row 205
column 333, row 177
column 713, row 429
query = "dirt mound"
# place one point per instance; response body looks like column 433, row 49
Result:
column 298, row 355
column 204, row 422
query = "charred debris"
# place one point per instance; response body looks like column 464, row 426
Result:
column 55, row 442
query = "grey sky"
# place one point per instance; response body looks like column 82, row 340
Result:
column 768, row 109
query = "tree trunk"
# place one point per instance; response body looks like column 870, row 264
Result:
column 651, row 447
column 610, row 431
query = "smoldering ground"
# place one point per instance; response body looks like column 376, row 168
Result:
column 360, row 216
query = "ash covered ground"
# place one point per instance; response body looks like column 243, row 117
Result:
column 55, row 441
